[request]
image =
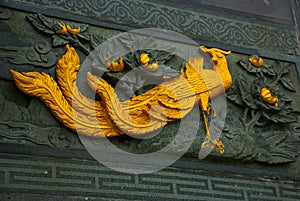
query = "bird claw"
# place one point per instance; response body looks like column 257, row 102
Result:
column 212, row 110
column 216, row 144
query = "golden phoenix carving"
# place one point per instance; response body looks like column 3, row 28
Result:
column 173, row 99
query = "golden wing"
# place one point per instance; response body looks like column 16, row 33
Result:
column 171, row 100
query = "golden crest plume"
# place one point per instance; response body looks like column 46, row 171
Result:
column 171, row 100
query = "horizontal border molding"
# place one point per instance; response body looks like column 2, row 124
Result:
column 89, row 179
column 184, row 163
column 202, row 26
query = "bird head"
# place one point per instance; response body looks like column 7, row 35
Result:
column 215, row 53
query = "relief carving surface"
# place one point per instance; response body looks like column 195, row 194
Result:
column 40, row 55
column 262, row 126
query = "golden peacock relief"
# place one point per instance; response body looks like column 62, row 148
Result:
column 173, row 99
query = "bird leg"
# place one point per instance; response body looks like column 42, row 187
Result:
column 209, row 142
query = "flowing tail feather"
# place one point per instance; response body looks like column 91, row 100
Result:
column 66, row 71
column 43, row 86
